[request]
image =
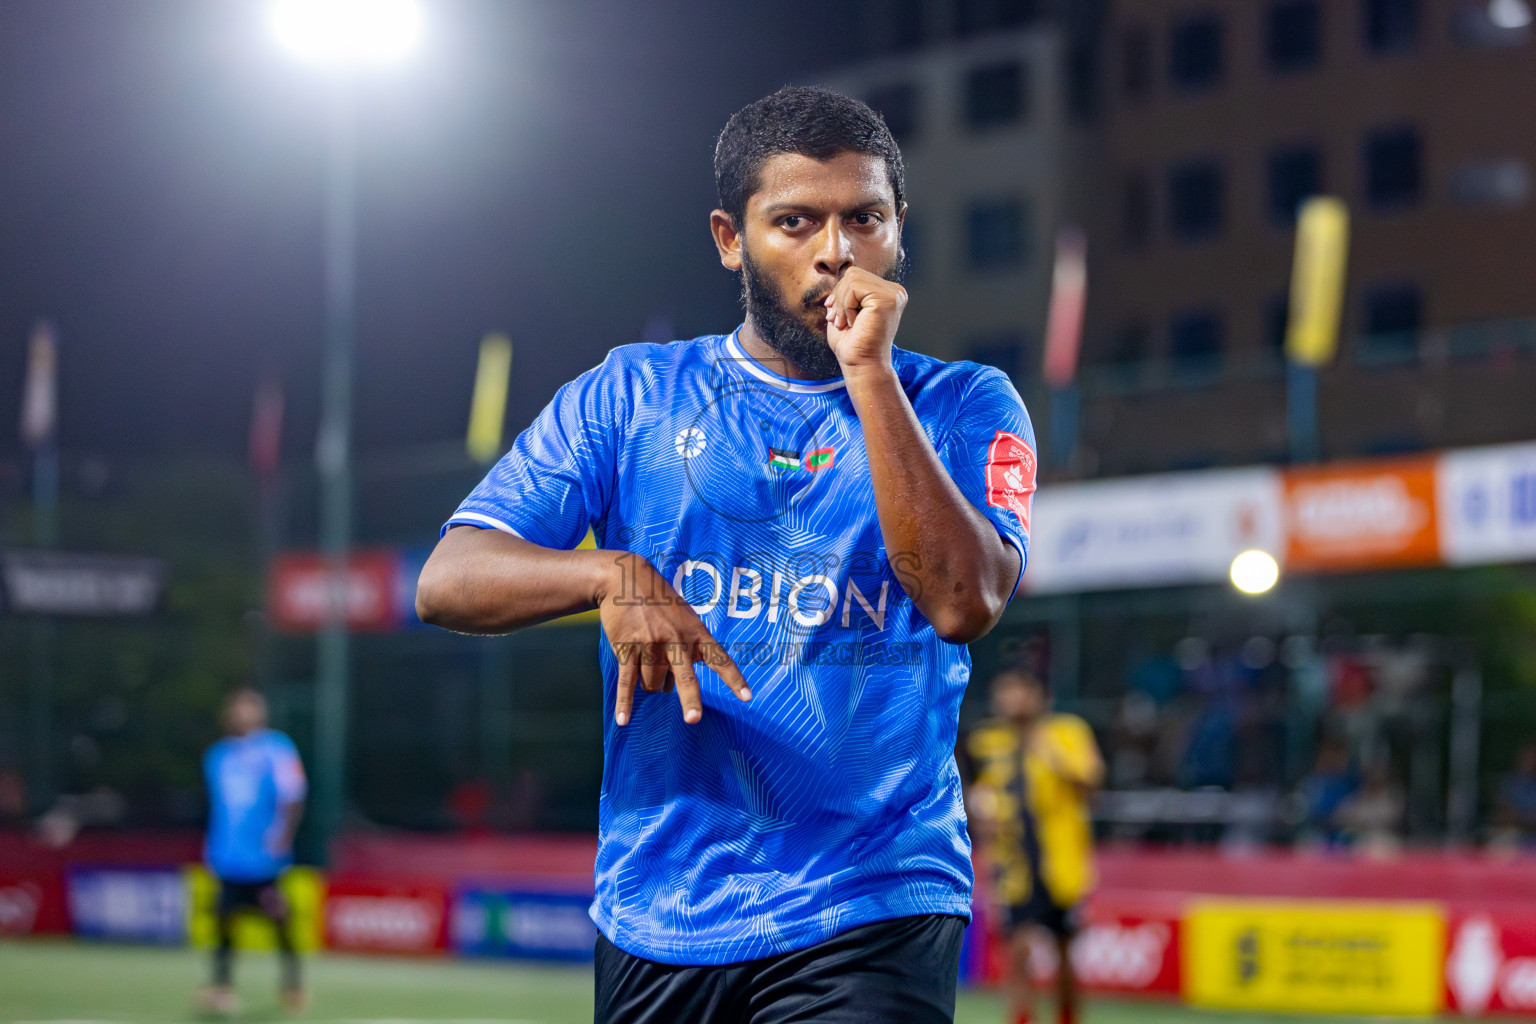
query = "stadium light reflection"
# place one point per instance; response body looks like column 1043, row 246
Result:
column 1255, row 572
column 346, row 33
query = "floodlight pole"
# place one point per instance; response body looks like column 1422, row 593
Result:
column 333, row 457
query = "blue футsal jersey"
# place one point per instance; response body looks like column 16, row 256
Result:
column 831, row 799
column 249, row 779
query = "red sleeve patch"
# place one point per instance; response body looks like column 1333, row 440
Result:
column 1011, row 476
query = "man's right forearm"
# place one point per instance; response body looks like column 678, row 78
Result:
column 486, row 581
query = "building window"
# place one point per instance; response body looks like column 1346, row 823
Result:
column 1136, row 61
column 1393, row 167
column 1392, row 315
column 1391, row 26
column 1129, row 345
column 996, row 95
column 1136, row 210
column 1195, row 200
column 1294, row 35
column 1493, row 24
column 1194, row 52
column 1080, row 74
column 898, row 104
column 997, row 234
column 1393, row 308
column 1489, row 183
column 973, row 17
column 1194, row 339
column 1295, row 174
column 1277, row 321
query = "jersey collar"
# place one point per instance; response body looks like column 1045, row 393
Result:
column 738, row 354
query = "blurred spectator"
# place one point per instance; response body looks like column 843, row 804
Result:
column 13, row 798
column 1132, row 740
column 526, row 804
column 1329, row 785
column 1372, row 817
column 72, row 812
column 470, row 802
column 1514, row 810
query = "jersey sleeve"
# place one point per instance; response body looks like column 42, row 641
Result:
column 990, row 453
column 1077, row 749
column 288, row 771
column 557, row 479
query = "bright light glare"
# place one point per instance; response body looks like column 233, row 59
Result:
column 1255, row 572
column 347, row 32
column 1510, row 14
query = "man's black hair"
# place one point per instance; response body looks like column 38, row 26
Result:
column 1025, row 674
column 804, row 119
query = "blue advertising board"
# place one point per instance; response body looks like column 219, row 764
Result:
column 496, row 921
column 128, row 904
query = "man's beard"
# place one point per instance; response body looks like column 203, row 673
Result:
column 785, row 329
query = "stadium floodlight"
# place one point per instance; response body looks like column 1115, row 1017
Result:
column 346, row 33
column 342, row 36
column 1255, row 572
column 1509, row 14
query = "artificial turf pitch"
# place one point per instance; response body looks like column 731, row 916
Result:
column 60, row 980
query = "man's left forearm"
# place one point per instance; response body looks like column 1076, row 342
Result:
column 292, row 814
column 949, row 557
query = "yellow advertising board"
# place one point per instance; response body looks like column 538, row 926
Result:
column 304, row 888
column 1315, row 955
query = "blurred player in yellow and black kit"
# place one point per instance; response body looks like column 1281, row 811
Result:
column 1034, row 774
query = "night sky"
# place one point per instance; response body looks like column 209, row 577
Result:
column 537, row 168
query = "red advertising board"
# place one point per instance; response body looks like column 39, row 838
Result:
column 1127, row 946
column 299, row 594
column 385, row 916
column 33, row 903
column 1490, row 963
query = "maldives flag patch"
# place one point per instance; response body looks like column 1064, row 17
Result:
column 1011, row 476
column 821, row 458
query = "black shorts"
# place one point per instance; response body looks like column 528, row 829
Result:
column 891, row 972
column 1044, row 912
column 264, row 895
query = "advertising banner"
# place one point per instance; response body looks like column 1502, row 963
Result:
column 1487, row 503
column 1315, row 956
column 32, row 904
column 1126, row 946
column 298, row 592
column 1151, row 531
column 383, row 916
column 128, row 904
column 303, row 888
column 490, row 921
column 62, row 583
column 1491, row 965
column 1364, row 515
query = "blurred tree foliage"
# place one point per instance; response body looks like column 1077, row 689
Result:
column 135, row 701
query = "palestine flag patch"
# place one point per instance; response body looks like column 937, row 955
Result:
column 783, row 458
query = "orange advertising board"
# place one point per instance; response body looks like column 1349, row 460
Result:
column 1361, row 515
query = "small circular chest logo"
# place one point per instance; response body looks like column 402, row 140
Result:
column 690, row 442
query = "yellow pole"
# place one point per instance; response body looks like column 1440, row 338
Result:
column 488, row 408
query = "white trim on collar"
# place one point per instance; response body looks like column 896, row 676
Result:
column 762, row 372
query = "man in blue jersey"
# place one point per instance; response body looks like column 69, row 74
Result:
column 256, row 792
column 799, row 526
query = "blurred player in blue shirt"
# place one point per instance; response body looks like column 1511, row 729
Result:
column 256, row 790
column 799, row 527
